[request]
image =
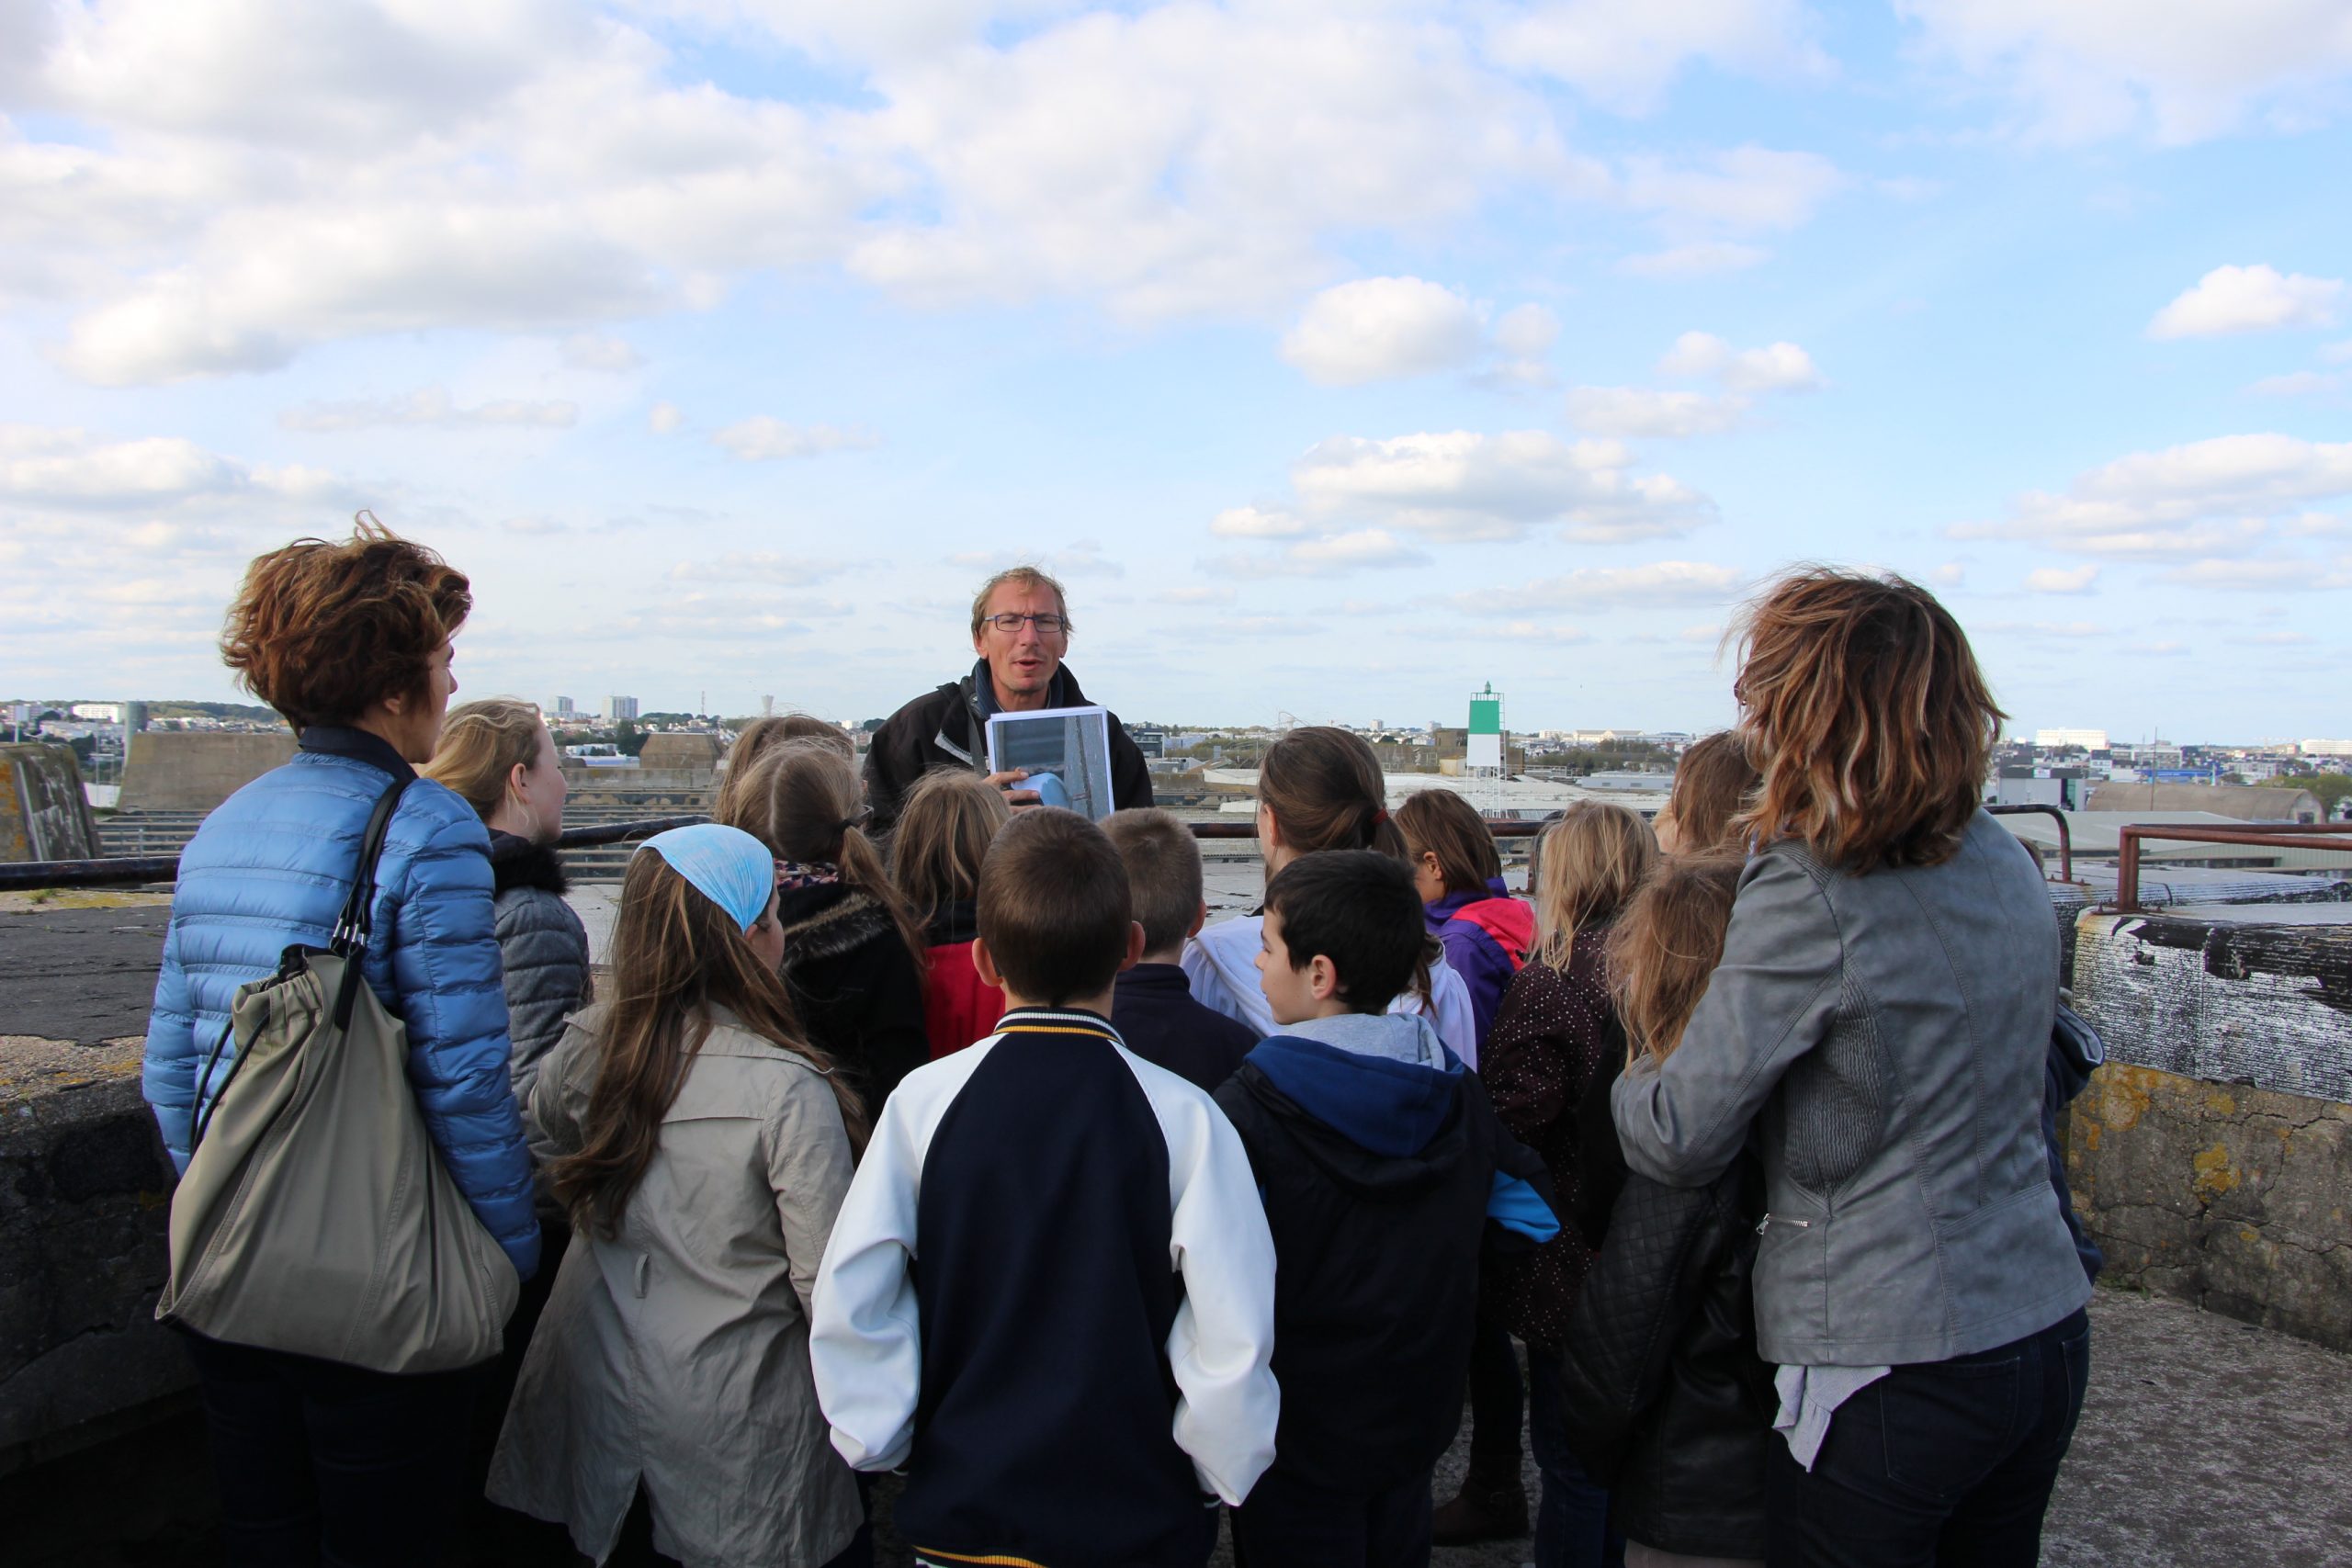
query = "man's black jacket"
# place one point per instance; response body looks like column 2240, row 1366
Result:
column 944, row 728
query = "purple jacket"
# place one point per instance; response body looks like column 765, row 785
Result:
column 1476, row 956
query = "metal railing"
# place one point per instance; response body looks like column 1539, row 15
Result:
column 2262, row 835
column 2065, row 834
column 133, row 871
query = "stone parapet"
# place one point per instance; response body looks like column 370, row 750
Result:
column 196, row 770
column 43, row 813
column 2211, row 1157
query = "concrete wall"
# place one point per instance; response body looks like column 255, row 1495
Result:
column 85, row 1197
column 2211, row 1157
column 43, row 813
column 194, row 770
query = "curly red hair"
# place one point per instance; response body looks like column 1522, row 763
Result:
column 323, row 631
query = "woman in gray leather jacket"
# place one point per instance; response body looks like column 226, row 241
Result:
column 1877, row 1029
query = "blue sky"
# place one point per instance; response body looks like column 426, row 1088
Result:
column 1341, row 357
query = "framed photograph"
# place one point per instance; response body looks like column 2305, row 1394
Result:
column 1065, row 750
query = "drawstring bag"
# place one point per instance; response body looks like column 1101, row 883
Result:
column 316, row 1216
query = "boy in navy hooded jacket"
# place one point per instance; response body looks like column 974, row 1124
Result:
column 1382, row 1165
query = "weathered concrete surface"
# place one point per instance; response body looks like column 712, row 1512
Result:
column 2235, row 1199
column 2227, row 998
column 2205, row 1443
column 85, row 1196
column 84, row 1187
column 43, row 813
column 680, row 751
column 171, row 770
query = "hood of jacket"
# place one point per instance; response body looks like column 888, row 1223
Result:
column 1374, row 1125
column 1509, row 920
column 826, row 919
column 516, row 862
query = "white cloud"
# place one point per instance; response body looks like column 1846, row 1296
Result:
column 589, row 351
column 431, row 407
column 1951, row 574
column 2072, row 630
column 1253, row 523
column 45, row 467
column 1743, row 190
column 1083, row 558
column 1195, row 594
column 759, row 566
column 2247, row 299
column 1625, row 57
column 2061, row 580
column 1465, row 485
column 1527, row 331
column 1380, row 328
column 2337, row 353
column 2179, row 71
column 1536, row 631
column 2262, row 576
column 1638, row 412
column 2198, row 497
column 2297, row 384
column 1658, row 583
column 663, row 418
column 1642, row 411
column 763, row 439
column 1776, row 367
column 1332, row 555
column 1703, row 259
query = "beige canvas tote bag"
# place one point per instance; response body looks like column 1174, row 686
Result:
column 316, row 1216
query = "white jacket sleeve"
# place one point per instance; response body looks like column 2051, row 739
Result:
column 865, row 1337
column 1450, row 1011
column 1221, row 1348
column 1221, row 968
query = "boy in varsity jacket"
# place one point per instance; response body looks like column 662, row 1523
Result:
column 1076, row 1370
column 1385, row 1171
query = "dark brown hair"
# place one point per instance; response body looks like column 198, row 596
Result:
column 1054, row 906
column 1594, row 859
column 1868, row 717
column 801, row 798
column 1163, row 873
column 1440, row 822
column 1323, row 787
column 944, row 828
column 1713, row 784
column 676, row 955
column 324, row 631
column 1358, row 908
column 752, row 741
column 1664, row 949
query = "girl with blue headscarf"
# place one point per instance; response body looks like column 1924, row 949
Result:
column 702, row 1148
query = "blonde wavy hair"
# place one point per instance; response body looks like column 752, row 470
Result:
column 1594, row 859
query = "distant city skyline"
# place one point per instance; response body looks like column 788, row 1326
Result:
column 1341, row 358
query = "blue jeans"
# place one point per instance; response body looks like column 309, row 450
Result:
column 1947, row 1465
column 1572, row 1518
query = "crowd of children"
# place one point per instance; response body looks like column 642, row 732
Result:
column 978, row 1156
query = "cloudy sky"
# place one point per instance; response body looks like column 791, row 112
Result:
column 1340, row 354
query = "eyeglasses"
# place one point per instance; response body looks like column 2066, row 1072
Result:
column 1047, row 624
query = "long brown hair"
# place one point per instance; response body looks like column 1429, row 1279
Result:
column 943, row 831
column 676, row 955
column 1594, row 859
column 1712, row 783
column 481, row 745
column 1441, row 823
column 1323, row 787
column 801, row 798
column 752, row 741
column 1664, row 949
column 1868, row 717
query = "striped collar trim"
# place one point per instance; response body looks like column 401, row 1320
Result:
column 1057, row 1020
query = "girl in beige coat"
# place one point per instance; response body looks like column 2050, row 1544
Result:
column 702, row 1151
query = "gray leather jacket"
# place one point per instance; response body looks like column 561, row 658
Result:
column 1883, row 1036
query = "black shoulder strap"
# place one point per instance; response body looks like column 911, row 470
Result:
column 352, row 930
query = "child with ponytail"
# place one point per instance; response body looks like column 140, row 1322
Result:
column 853, row 955
column 1319, row 788
column 702, row 1149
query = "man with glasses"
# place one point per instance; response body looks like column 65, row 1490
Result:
column 1019, row 629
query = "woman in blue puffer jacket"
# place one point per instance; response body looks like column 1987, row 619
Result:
column 350, row 641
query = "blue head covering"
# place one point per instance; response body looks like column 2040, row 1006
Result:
column 726, row 866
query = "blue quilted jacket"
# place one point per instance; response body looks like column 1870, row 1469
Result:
column 270, row 869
